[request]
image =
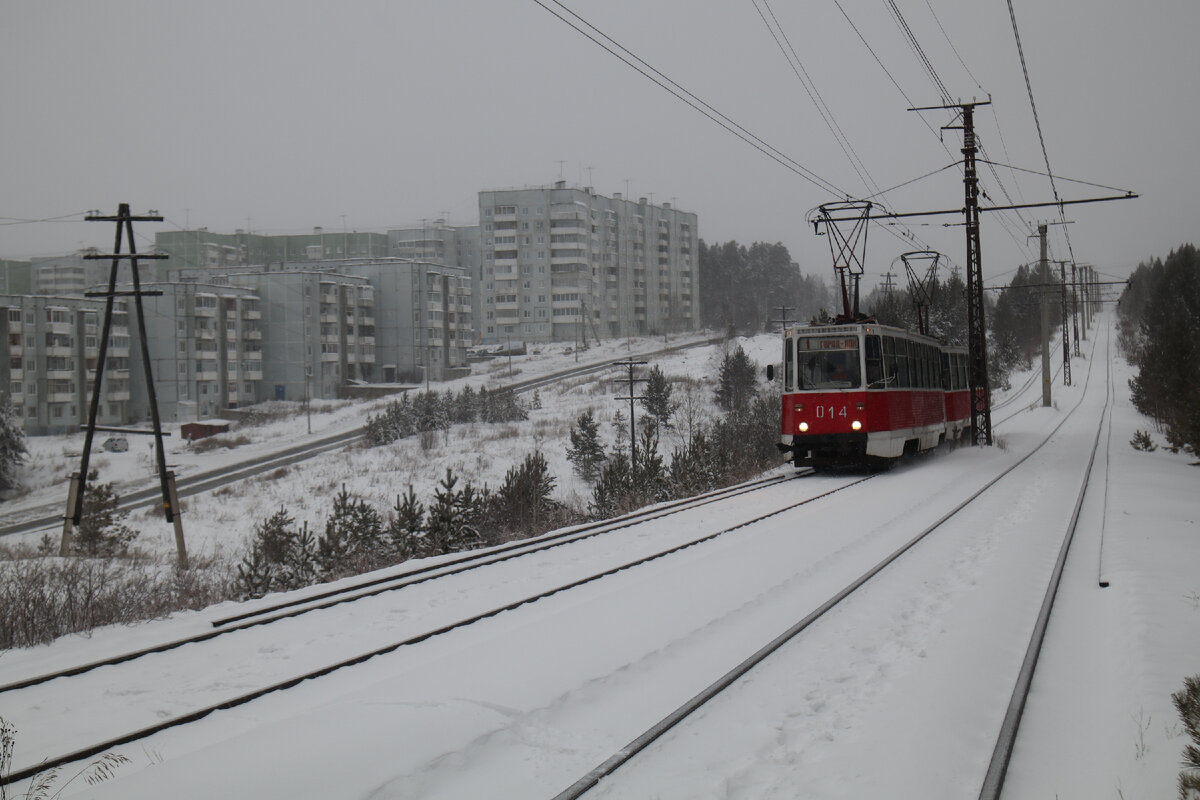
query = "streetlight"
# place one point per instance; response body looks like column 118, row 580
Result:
column 308, row 395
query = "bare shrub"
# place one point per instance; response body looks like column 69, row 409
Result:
column 210, row 443
column 44, row 598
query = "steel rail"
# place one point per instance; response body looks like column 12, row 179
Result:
column 376, row 586
column 993, row 783
column 192, row 716
column 211, row 479
column 653, row 733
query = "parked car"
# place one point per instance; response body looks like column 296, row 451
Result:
column 116, row 444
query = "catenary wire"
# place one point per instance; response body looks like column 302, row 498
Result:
column 653, row 74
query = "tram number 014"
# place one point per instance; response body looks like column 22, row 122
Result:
column 830, row 412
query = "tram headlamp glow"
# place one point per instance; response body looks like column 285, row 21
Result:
column 856, row 425
column 803, row 427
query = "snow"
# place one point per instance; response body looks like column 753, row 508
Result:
column 898, row 692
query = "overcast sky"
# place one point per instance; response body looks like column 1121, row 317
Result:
column 281, row 116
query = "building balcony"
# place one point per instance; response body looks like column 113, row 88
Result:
column 251, row 313
column 366, row 340
column 114, row 397
column 330, row 357
column 67, row 328
column 65, row 352
column 329, row 298
column 255, row 334
column 62, row 397
column 253, row 355
column 205, row 312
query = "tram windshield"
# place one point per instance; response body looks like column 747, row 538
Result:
column 827, row 362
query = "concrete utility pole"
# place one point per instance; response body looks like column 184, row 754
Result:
column 630, row 363
column 1044, row 271
column 1065, row 308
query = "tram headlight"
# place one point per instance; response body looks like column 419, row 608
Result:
column 856, row 425
column 803, row 426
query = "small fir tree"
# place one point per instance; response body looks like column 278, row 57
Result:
column 586, row 452
column 523, row 505
column 656, row 398
column 736, row 382
column 406, row 528
column 453, row 518
column 102, row 531
column 12, row 445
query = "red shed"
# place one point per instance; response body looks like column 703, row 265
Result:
column 191, row 431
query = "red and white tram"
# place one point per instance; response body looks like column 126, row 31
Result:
column 864, row 394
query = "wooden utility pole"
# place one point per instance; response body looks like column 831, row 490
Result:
column 77, row 491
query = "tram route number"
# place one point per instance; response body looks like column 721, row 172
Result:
column 830, row 412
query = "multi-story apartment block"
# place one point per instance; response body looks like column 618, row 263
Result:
column 423, row 317
column 206, row 351
column 561, row 264
column 319, row 330
column 16, row 277
column 49, row 352
column 73, row 274
column 201, row 249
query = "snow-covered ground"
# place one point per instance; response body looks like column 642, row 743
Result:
column 221, row 522
column 898, row 693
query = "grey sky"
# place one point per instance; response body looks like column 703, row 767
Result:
column 279, row 116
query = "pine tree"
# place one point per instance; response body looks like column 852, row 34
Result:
column 101, row 531
column 586, row 452
column 12, row 445
column 1187, row 703
column 523, row 506
column 692, row 470
column 649, row 480
column 736, row 382
column 656, row 398
column 610, row 496
column 353, row 537
column 406, row 526
column 453, row 518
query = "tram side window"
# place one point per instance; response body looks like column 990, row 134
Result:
column 947, row 361
column 889, row 361
column 963, row 381
column 789, row 364
column 874, row 355
column 903, row 362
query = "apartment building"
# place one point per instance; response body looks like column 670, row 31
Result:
column 200, row 248
column 560, row 263
column 319, row 330
column 74, row 273
column 206, row 351
column 49, row 351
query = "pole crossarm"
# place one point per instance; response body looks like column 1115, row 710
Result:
column 946, row 211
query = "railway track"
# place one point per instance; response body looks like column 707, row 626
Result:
column 993, row 780
column 268, row 613
column 361, row 590
column 48, row 516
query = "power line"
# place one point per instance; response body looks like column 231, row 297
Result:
column 810, row 87
column 1038, row 123
column 952, row 47
column 628, row 57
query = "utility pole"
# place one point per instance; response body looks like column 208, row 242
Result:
column 632, row 430
column 1075, row 307
column 1066, row 336
column 981, row 405
column 77, row 491
column 784, row 319
column 1044, row 272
